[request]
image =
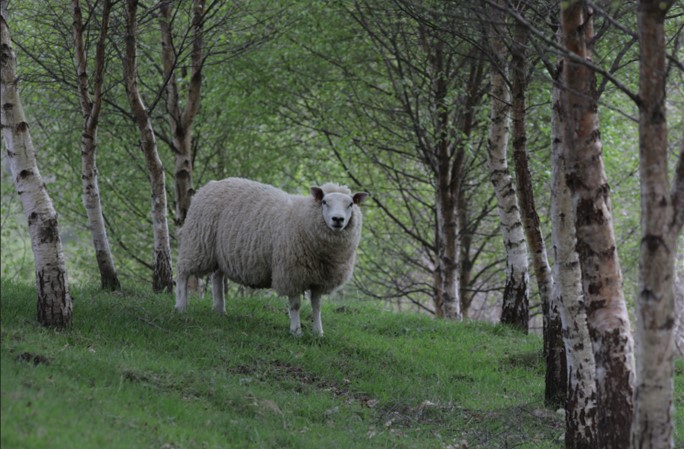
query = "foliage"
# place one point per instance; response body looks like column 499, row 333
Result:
column 290, row 91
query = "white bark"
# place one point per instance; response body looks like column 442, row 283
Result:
column 515, row 309
column 555, row 378
column 607, row 316
column 54, row 300
column 447, row 256
column 90, row 108
column 580, row 406
column 162, row 277
column 679, row 302
column 181, row 119
column 652, row 427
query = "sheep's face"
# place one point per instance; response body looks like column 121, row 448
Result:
column 337, row 208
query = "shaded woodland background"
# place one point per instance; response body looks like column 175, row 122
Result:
column 296, row 94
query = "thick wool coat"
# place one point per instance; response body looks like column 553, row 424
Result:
column 262, row 237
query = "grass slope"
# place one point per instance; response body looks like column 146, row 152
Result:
column 131, row 373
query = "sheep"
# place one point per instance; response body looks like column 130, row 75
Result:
column 262, row 237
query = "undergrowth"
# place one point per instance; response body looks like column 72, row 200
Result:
column 132, row 373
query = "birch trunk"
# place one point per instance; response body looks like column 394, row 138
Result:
column 447, row 166
column 162, row 277
column 91, row 112
column 607, row 316
column 580, row 397
column 652, row 427
column 181, row 120
column 465, row 265
column 447, row 255
column 477, row 75
column 679, row 299
column 554, row 393
column 515, row 309
column 52, row 287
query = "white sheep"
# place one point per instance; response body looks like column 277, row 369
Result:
column 261, row 237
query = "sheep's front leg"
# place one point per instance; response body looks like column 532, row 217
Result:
column 295, row 323
column 217, row 291
column 316, row 311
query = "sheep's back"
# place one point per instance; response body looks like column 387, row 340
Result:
column 262, row 237
column 251, row 216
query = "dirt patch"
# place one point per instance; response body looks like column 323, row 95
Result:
column 427, row 412
column 287, row 372
column 30, row 357
column 528, row 360
column 346, row 310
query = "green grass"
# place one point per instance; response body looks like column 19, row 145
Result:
column 131, row 373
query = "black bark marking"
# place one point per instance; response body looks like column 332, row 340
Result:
column 654, row 242
column 183, row 174
column 47, row 232
column 657, row 117
column 620, row 405
column 25, row 174
column 587, row 214
column 54, row 303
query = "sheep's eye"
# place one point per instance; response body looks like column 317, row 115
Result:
column 325, row 203
column 350, row 205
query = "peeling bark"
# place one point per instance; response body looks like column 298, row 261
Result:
column 162, row 276
column 181, row 119
column 447, row 168
column 580, row 398
column 555, row 379
column 515, row 308
column 54, row 304
column 91, row 112
column 654, row 406
column 607, row 316
column 465, row 264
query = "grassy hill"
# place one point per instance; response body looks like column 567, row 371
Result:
column 131, row 373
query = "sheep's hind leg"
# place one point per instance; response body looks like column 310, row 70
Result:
column 181, row 291
column 295, row 323
column 316, row 311
column 217, row 291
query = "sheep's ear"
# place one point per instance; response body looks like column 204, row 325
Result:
column 360, row 197
column 317, row 193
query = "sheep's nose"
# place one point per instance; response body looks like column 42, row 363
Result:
column 338, row 221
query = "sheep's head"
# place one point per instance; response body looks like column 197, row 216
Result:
column 337, row 207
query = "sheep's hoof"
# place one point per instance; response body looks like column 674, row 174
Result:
column 180, row 309
column 296, row 332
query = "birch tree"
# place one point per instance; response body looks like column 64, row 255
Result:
column 580, row 397
column 437, row 84
column 515, row 308
column 679, row 298
column 554, row 392
column 91, row 107
column 52, row 286
column 181, row 119
column 607, row 316
column 662, row 217
column 162, row 277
